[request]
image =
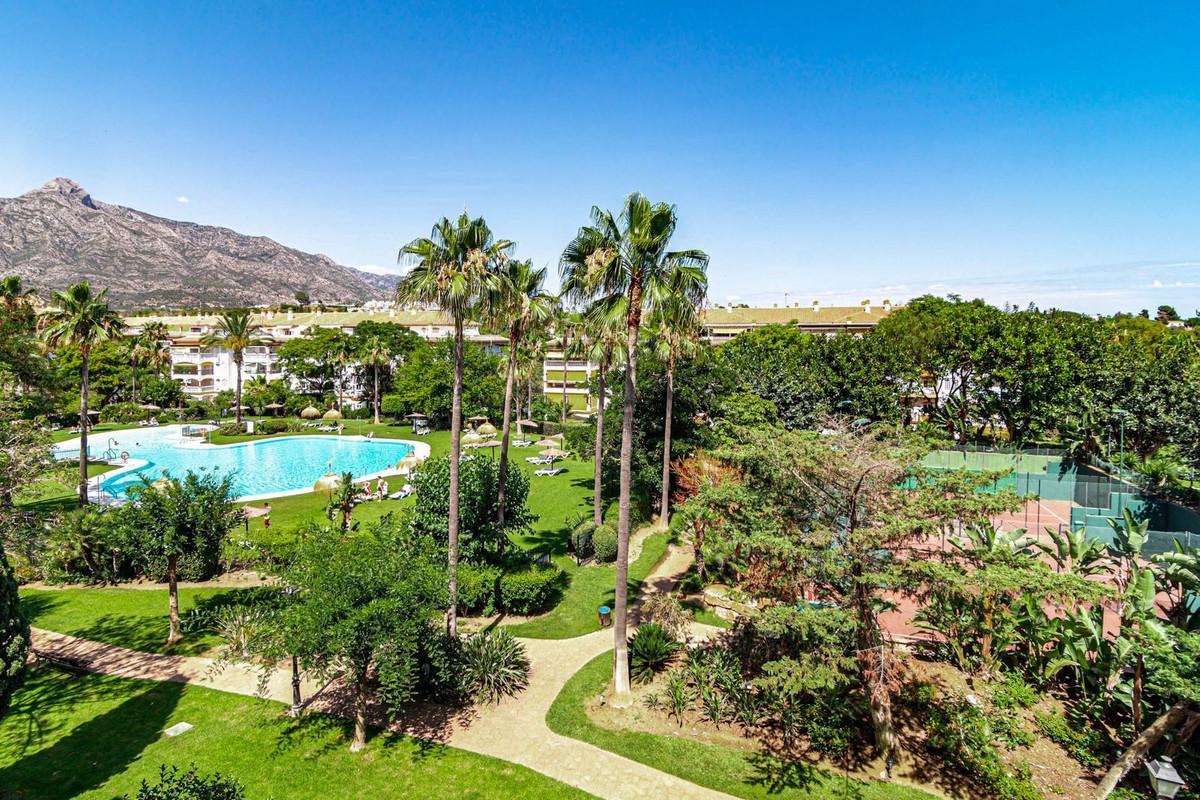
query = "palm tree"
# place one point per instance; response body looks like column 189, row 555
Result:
column 375, row 353
column 81, row 319
column 154, row 335
column 675, row 331
column 455, row 269
column 520, row 307
column 341, row 354
column 136, row 352
column 13, row 295
column 564, row 323
column 235, row 333
column 603, row 331
column 625, row 262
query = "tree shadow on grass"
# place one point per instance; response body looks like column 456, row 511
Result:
column 93, row 751
column 778, row 774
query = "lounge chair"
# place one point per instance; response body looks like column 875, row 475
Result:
column 549, row 472
column 521, row 443
column 540, row 460
column 466, row 458
column 400, row 495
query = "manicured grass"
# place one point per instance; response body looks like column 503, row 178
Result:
column 99, row 737
column 725, row 769
column 590, row 588
column 63, row 434
column 57, row 492
column 133, row 618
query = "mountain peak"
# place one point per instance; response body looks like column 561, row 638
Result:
column 70, row 189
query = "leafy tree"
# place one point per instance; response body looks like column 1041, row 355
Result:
column 312, row 359
column 163, row 392
column 425, row 382
column 23, row 366
column 172, row 519
column 624, row 261
column 455, row 269
column 519, row 307
column 234, row 332
column 14, row 636
column 341, row 501
column 1166, row 314
column 483, row 532
column 364, row 604
column 81, row 319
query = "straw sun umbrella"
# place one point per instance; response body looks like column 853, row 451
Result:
column 554, row 452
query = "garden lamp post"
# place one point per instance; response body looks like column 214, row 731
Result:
column 1122, row 414
column 296, row 703
column 1164, row 779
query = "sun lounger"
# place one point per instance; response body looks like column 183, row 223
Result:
column 549, row 472
column 521, row 443
column 400, row 495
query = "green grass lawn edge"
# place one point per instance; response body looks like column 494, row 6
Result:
column 724, row 769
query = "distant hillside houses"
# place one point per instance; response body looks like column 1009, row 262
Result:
column 205, row 370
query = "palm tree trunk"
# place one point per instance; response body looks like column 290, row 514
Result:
column 173, row 599
column 455, row 450
column 360, row 714
column 83, row 428
column 502, row 472
column 597, row 511
column 563, row 420
column 624, row 517
column 664, row 506
column 1141, row 746
column 237, row 361
column 133, row 382
column 376, row 394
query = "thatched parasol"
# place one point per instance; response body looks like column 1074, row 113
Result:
column 311, row 412
column 554, row 452
column 332, row 413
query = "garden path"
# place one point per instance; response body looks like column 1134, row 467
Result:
column 513, row 730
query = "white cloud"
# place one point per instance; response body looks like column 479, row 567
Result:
column 183, row 199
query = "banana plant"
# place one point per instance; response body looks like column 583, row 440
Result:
column 1179, row 579
column 1075, row 552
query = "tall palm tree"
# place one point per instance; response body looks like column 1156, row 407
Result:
column 565, row 323
column 675, row 331
column 13, row 294
column 604, row 332
column 375, row 354
column 136, row 353
column 234, row 332
column 624, row 260
column 456, row 270
column 155, row 336
column 81, row 319
column 520, row 307
column 341, row 354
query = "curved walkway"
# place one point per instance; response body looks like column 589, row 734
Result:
column 514, row 730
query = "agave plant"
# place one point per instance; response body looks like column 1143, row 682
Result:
column 494, row 665
column 650, row 648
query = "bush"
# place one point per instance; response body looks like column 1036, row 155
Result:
column 529, row 590
column 190, row 786
column 581, row 539
column 604, row 544
column 579, row 437
column 1082, row 742
column 494, row 665
column 477, row 589
column 275, row 425
column 123, row 413
column 665, row 610
column 1014, row 692
column 651, row 647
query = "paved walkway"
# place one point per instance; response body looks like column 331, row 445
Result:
column 514, row 730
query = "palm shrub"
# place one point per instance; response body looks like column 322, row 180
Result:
column 604, row 544
column 494, row 665
column 581, row 539
column 650, row 648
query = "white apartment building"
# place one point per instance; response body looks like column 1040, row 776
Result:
column 205, row 370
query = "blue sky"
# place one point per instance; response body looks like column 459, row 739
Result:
column 1044, row 152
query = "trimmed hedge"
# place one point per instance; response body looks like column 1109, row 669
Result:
column 581, row 539
column 529, row 591
column 604, row 544
column 487, row 590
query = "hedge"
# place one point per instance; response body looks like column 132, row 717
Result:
column 529, row 591
column 604, row 544
column 581, row 539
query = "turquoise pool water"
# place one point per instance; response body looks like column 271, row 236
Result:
column 271, row 466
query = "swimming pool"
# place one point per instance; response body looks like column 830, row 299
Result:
column 267, row 468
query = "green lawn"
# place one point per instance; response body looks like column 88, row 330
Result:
column 590, row 588
column 725, row 769
column 57, row 492
column 133, row 618
column 99, row 737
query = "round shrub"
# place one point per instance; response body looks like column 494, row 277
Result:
column 604, row 544
column 581, row 539
column 123, row 413
column 529, row 590
column 651, row 647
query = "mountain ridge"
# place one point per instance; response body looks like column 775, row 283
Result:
column 59, row 234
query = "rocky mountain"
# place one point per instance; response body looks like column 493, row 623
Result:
column 59, row 234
